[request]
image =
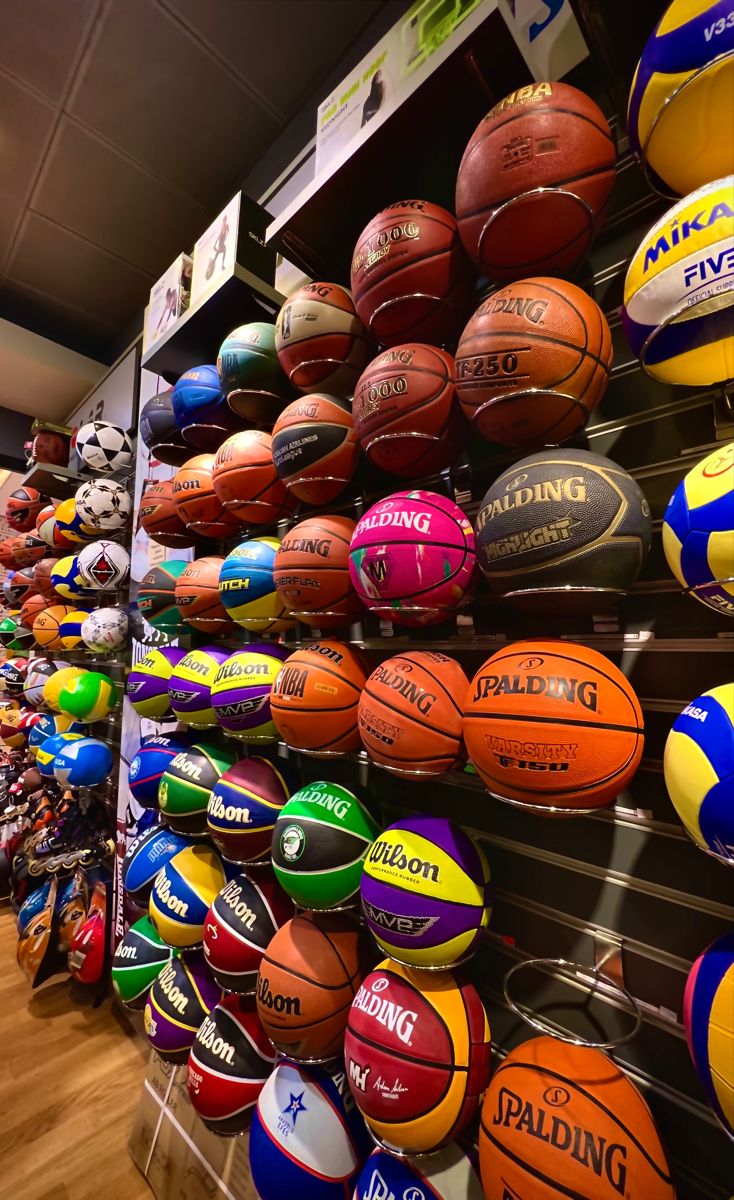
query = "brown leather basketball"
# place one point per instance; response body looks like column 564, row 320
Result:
column 198, row 504
column 42, row 576
column 315, row 447
column 311, row 572
column 246, row 481
column 159, row 515
column 197, row 596
column 315, row 698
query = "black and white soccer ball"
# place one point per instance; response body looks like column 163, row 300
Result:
column 105, row 629
column 103, row 504
column 104, row 447
column 103, row 565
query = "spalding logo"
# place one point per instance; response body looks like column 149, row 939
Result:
column 555, row 686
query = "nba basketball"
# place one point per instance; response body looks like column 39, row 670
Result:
column 241, row 692
column 446, row 1175
column 246, row 481
column 179, row 999
column 315, row 448
column 160, row 433
column 159, row 516
column 708, row 1016
column 322, row 345
column 242, row 921
column 186, row 784
column 243, row 808
column 311, row 572
column 247, row 587
column 229, row 1062
column 183, row 892
column 149, row 763
column 197, row 596
column 315, row 698
column 250, row 374
column 197, row 503
column 698, row 531
column 699, row 770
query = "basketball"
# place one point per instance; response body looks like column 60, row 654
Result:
column 677, row 311
column 7, row 547
column 699, row 770
column 311, row 572
column 322, row 345
column 190, row 686
column 179, row 999
column 197, row 503
column 583, row 712
column 66, row 577
column 684, row 72
column 315, row 448
column 564, row 1120
column 49, row 725
column 242, row 922
column 563, row 518
column 246, row 481
column 315, row 698
column 406, row 414
column 247, row 588
column 445, row 1176
column 410, row 277
column 320, row 840
column 149, row 763
column 160, row 433
column 39, row 673
column 182, row 894
column 186, row 784
column 241, row 692
column 22, row 508
column 159, row 516
column 410, row 713
column 147, row 683
column 18, row 588
column 200, row 408
column 137, row 962
column 698, row 531
column 229, row 1062
column 30, row 609
column 307, row 1139
column 197, row 596
column 547, row 136
column 708, row 1008
column 249, row 372
column 47, row 626
column 533, row 363
column 412, row 558
column 88, row 696
column 243, row 808
column 42, row 576
column 156, row 597
column 146, row 856
column 308, row 978
column 29, row 549
column 428, row 1032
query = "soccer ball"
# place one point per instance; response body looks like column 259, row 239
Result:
column 103, row 504
column 698, row 531
column 104, row 565
column 104, row 447
column 105, row 629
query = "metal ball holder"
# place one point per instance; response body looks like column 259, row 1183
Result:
column 559, row 192
column 258, row 405
column 547, row 810
column 408, row 297
column 433, row 614
column 517, row 394
column 567, row 600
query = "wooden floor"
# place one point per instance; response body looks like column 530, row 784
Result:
column 70, row 1078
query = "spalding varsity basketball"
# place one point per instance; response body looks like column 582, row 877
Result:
column 446, row 1175
column 708, row 1015
column 563, row 1120
column 533, row 363
column 229, row 1062
column 315, row 448
column 560, row 518
column 315, row 698
column 322, row 345
column 417, row 1056
column 311, row 572
column 243, row 808
column 240, row 925
column 181, row 996
column 307, row 1139
column 698, row 766
column 246, row 481
column 534, row 182
column 410, row 713
column 412, row 558
column 554, row 726
column 425, row 892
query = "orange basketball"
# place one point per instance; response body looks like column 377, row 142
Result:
column 42, row 576
column 29, row 549
column 553, row 725
column 410, row 713
column 315, row 698
column 159, row 515
column 197, row 503
column 246, row 481
column 560, row 1120
column 47, row 626
column 197, row 596
column 7, row 550
column 308, row 978
column 311, row 572
column 539, row 335
column 30, row 608
column 315, row 448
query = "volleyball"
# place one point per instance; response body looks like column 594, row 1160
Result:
column 182, row 894
column 699, row 770
column 243, row 807
column 55, row 684
column 147, row 683
column 186, row 784
column 89, row 696
column 50, row 747
column 38, row 675
column 146, row 855
column 70, row 629
column 229, row 1062
column 49, row 725
column 315, row 698
column 708, row 1016
column 448, row 1174
column 70, row 525
column 190, row 686
column 241, row 923
column 698, row 531
column 138, row 960
column 85, row 762
column 241, row 692
column 67, row 579
column 179, row 999
column 247, row 588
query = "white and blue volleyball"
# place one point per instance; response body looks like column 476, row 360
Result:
column 145, row 856
column 699, row 770
column 446, row 1175
column 698, row 531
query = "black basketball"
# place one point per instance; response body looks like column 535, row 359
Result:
column 243, row 919
column 563, row 517
column 160, row 433
column 230, row 1061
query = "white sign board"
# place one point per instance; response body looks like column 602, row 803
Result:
column 215, row 253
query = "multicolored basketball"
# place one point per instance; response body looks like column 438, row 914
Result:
column 319, row 845
column 186, row 784
column 230, row 1060
column 156, row 597
column 244, row 806
column 197, row 503
column 322, row 345
column 554, row 726
column 308, row 978
column 190, row 686
column 708, row 1015
column 149, row 763
column 182, row 894
column 252, row 379
column 412, row 558
column 159, row 516
column 18, row 587
column 425, row 892
column 49, row 726
column 315, row 698
column 315, row 448
column 429, row 1033
column 179, row 999
column 47, row 626
column 410, row 713
column 699, row 770
column 146, row 856
column 247, row 588
column 446, row 1175
column 137, row 962
column 600, row 1138
column 200, row 408
column 241, row 692
column 698, row 531
column 246, row 481
column 39, row 672
column 241, row 923
column 147, row 683
column 311, row 572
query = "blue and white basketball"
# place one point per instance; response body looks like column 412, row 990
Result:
column 145, row 856
column 149, row 763
column 49, row 726
column 446, row 1175
column 83, row 762
column 307, row 1138
column 698, row 531
column 699, row 770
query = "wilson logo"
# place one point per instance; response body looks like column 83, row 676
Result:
column 557, row 687
column 164, row 896
column 395, row 858
column 231, row 813
column 209, row 1039
column 167, row 984
column 289, row 1005
column 231, row 895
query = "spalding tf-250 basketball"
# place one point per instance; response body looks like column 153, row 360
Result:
column 562, row 1120
column 315, row 698
column 445, row 1175
column 417, row 1056
column 229, row 1062
column 187, row 782
column 179, row 999
column 708, row 1014
column 315, row 448
column 240, row 925
column 698, row 531
column 322, row 344
column 243, row 808
column 311, row 572
column 563, row 517
column 319, row 843
column 699, row 770
column 553, row 725
column 183, row 892
column 138, row 960
column 425, row 892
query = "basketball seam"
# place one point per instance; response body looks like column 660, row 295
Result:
column 435, row 899
column 559, row 653
column 449, row 1068
column 583, row 351
column 414, row 720
column 540, row 720
column 429, row 673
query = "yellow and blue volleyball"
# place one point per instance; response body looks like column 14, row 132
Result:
column 66, row 579
column 190, row 686
column 247, row 589
column 698, row 531
column 708, row 1015
column 699, row 770
column 50, row 747
column 680, row 115
column 70, row 629
column 183, row 892
column 678, row 311
column 56, row 683
column 69, row 529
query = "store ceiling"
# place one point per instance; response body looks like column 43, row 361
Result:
column 125, row 125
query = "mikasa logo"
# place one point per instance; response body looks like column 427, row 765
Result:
column 392, row 1016
column 680, row 230
column 556, row 686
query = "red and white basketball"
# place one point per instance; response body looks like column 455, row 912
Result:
column 230, row 1060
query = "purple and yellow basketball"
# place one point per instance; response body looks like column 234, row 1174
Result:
column 147, row 683
column 190, row 686
column 425, row 892
column 244, row 805
column 240, row 692
column 708, row 1015
column 181, row 996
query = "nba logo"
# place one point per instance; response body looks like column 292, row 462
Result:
column 285, row 328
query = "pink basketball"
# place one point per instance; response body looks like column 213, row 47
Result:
column 412, row 558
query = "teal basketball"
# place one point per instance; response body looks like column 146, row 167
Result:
column 247, row 361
